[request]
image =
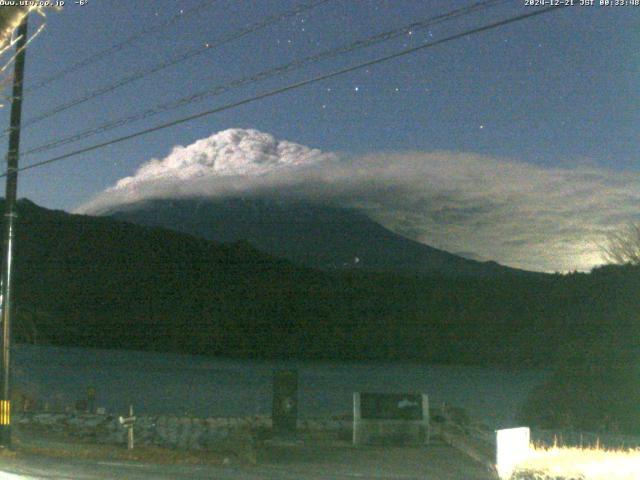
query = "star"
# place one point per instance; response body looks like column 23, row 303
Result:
column 481, row 127
column 356, row 89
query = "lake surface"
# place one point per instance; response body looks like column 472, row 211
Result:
column 157, row 383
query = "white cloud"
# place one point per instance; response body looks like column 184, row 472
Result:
column 227, row 153
column 518, row 214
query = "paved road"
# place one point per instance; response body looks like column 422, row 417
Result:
column 285, row 463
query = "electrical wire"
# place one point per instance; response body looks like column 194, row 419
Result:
column 194, row 52
column 293, row 86
column 117, row 47
column 263, row 75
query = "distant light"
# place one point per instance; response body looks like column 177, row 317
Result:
column 12, row 476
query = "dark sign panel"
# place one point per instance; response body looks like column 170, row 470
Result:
column 285, row 402
column 391, row 406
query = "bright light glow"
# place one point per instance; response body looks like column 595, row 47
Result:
column 512, row 447
column 29, row 40
column 587, row 463
column 7, row 40
column 13, row 476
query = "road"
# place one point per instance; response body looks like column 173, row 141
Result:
column 327, row 463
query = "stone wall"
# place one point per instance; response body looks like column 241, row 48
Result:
column 168, row 431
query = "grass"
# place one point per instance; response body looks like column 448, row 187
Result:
column 236, row 450
column 564, row 463
column 141, row 454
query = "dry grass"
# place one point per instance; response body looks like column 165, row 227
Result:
column 234, row 450
column 107, row 452
column 580, row 463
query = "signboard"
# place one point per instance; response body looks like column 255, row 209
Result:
column 390, row 418
column 285, row 403
column 391, row 406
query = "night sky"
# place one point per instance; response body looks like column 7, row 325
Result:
column 518, row 145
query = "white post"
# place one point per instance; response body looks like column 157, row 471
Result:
column 130, row 431
column 426, row 417
column 128, row 424
column 512, row 447
column 357, row 418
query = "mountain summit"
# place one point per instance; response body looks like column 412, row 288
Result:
column 317, row 236
column 296, row 202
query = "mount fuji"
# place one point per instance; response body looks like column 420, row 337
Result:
column 284, row 198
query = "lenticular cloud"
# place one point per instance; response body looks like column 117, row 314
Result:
column 523, row 215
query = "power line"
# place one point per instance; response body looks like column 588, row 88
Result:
column 293, row 86
column 194, row 52
column 263, row 75
column 120, row 45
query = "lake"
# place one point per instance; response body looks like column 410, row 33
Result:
column 159, row 383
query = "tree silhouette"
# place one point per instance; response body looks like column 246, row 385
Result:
column 623, row 247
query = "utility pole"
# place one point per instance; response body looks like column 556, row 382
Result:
column 9, row 233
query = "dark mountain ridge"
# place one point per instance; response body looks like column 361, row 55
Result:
column 323, row 237
column 100, row 282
